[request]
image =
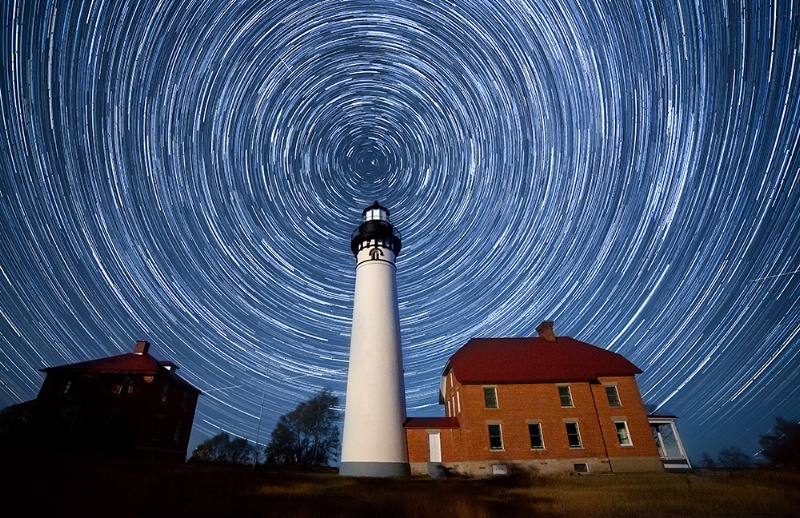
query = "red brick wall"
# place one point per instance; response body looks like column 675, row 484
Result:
column 632, row 409
column 418, row 444
column 520, row 404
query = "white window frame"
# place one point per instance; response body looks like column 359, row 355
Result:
column 500, row 430
column 616, row 394
column 577, row 433
column 568, row 393
column 624, row 423
column 496, row 399
column 537, row 424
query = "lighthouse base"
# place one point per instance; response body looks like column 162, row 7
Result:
column 375, row 469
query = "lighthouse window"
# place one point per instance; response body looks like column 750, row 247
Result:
column 375, row 214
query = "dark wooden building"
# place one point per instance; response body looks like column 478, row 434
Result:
column 128, row 405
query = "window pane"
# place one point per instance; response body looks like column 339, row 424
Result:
column 622, row 433
column 490, row 397
column 565, row 395
column 613, row 396
column 495, row 437
column 573, row 435
column 535, row 431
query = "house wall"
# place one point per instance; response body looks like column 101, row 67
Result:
column 417, row 439
column 643, row 454
column 161, row 419
column 95, row 416
column 466, row 449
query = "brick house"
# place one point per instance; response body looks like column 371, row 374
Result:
column 130, row 404
column 548, row 404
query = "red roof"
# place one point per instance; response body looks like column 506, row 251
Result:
column 431, row 422
column 535, row 360
column 129, row 363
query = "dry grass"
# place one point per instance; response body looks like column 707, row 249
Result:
column 129, row 489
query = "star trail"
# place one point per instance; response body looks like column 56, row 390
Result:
column 189, row 173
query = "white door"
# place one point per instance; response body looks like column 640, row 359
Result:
column 434, row 447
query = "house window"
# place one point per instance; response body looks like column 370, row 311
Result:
column 490, row 397
column 67, row 387
column 176, row 437
column 458, row 403
column 565, row 395
column 126, row 388
column 185, row 400
column 495, row 437
column 157, row 427
column 165, row 393
column 622, row 433
column 573, row 435
column 449, row 410
column 613, row 396
column 535, row 431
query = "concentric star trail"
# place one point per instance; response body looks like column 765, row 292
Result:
column 189, row 173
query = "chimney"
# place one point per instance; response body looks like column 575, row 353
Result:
column 142, row 346
column 545, row 330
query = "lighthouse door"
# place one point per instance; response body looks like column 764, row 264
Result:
column 434, row 447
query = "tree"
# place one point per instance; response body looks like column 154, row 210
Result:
column 221, row 448
column 781, row 445
column 707, row 462
column 733, row 457
column 308, row 435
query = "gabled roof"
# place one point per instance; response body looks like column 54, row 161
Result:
column 431, row 422
column 535, row 360
column 129, row 363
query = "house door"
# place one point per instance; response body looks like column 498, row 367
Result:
column 434, row 447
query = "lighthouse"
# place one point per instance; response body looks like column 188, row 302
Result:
column 374, row 440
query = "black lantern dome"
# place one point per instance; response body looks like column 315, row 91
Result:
column 375, row 230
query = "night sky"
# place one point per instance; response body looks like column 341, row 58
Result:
column 189, row 173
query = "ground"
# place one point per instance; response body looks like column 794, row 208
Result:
column 80, row 487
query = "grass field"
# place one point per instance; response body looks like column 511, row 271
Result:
column 131, row 489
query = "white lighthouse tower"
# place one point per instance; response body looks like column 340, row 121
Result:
column 374, row 440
